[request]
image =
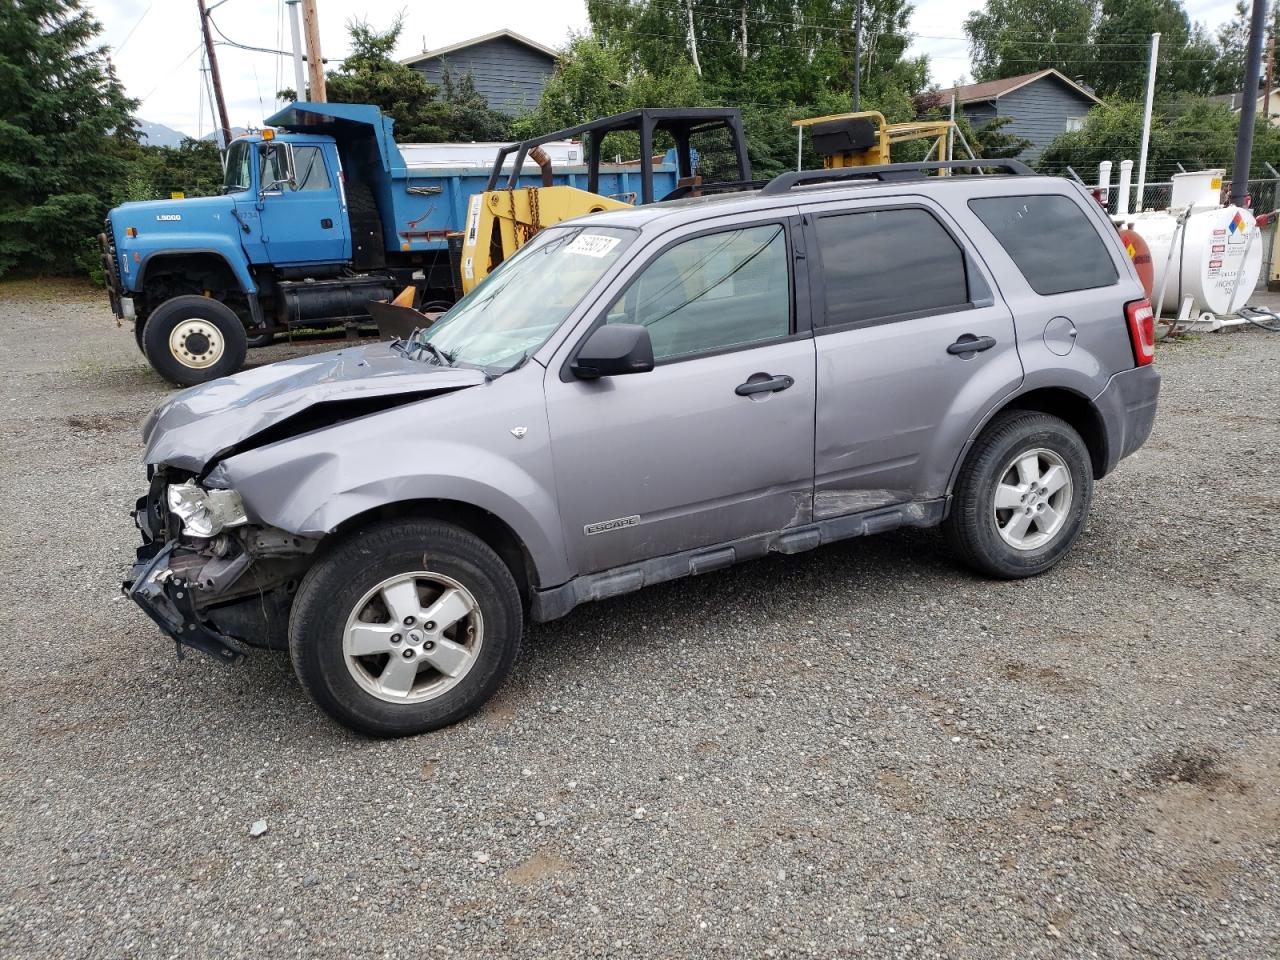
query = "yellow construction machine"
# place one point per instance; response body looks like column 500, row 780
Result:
column 508, row 214
column 863, row 139
column 504, row 218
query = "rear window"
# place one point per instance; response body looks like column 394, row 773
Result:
column 888, row 264
column 1051, row 240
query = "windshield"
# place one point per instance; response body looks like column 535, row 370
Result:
column 236, row 178
column 517, row 307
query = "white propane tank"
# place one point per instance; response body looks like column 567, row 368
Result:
column 1209, row 263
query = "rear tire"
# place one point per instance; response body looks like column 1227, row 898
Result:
column 436, row 613
column 1022, row 496
column 192, row 339
column 261, row 337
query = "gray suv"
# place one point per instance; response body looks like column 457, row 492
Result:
column 642, row 395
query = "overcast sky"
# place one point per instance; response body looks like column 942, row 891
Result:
column 158, row 53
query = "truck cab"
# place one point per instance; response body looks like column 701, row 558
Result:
column 288, row 190
column 297, row 237
column 320, row 214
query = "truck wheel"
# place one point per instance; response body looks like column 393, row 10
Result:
column 261, row 337
column 193, row 339
column 407, row 626
column 1022, row 496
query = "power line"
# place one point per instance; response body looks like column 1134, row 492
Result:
column 137, row 23
column 840, row 25
column 178, row 66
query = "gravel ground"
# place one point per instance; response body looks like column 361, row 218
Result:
column 858, row 751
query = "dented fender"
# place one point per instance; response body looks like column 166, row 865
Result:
column 448, row 448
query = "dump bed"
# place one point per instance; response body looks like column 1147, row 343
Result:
column 422, row 190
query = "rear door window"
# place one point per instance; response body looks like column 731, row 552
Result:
column 889, row 264
column 1050, row 239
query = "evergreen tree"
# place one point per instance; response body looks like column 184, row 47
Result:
column 65, row 126
column 370, row 75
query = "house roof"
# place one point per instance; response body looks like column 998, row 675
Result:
column 1234, row 100
column 475, row 41
column 993, row 89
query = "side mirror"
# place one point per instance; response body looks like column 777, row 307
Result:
column 614, row 349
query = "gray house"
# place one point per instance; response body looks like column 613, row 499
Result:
column 1039, row 106
column 509, row 70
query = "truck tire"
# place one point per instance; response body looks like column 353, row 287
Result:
column 194, row 339
column 404, row 627
column 1022, row 496
column 261, row 337
column 368, row 249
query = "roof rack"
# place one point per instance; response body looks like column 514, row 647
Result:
column 783, row 182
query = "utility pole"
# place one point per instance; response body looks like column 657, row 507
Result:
column 299, row 79
column 224, row 133
column 1271, row 65
column 1146, row 121
column 315, row 64
column 1249, row 108
column 857, row 59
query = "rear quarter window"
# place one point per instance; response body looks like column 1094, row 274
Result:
column 1051, row 240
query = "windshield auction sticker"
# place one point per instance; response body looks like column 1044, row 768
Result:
column 592, row 245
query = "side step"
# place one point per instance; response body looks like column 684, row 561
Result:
column 557, row 601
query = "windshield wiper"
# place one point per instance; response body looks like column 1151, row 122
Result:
column 414, row 344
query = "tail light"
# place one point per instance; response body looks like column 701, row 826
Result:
column 1142, row 331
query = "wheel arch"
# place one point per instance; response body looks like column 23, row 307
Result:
column 489, row 527
column 1070, row 405
column 194, row 260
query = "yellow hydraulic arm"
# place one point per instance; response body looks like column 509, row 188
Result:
column 877, row 151
column 500, row 222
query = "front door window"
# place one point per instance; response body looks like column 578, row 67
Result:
column 712, row 292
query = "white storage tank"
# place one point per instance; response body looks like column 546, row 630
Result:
column 1210, row 263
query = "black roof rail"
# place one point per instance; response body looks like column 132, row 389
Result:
column 703, row 189
column 888, row 171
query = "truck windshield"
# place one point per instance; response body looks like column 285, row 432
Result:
column 239, row 156
column 517, row 307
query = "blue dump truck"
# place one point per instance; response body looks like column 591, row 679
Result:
column 320, row 214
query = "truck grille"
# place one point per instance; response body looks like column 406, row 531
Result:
column 110, row 268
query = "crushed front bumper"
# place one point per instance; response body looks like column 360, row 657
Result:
column 167, row 599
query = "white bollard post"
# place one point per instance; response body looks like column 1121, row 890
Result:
column 1104, row 183
column 1126, row 178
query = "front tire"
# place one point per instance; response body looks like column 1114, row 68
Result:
column 193, row 339
column 406, row 626
column 1022, row 496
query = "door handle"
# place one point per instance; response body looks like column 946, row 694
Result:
column 968, row 344
column 769, row 385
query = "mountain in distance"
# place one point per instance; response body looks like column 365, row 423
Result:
column 158, row 135
column 235, row 132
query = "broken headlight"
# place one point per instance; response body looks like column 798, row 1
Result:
column 205, row 513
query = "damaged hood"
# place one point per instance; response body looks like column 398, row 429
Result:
column 203, row 423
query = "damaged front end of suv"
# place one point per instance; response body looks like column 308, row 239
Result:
column 207, row 576
column 219, row 566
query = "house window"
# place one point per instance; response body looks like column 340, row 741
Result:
column 1074, row 124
